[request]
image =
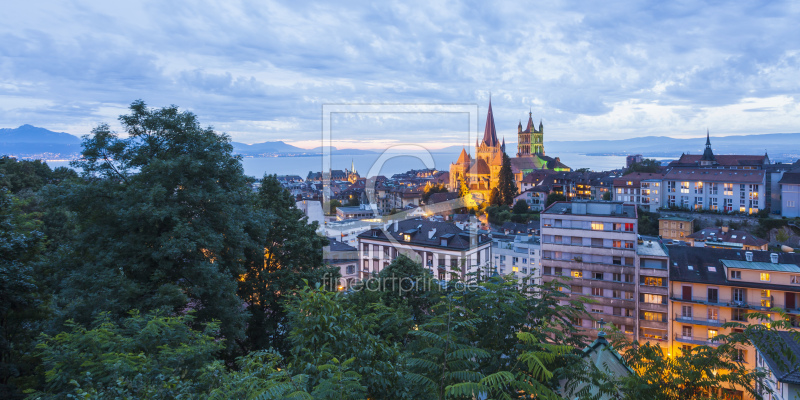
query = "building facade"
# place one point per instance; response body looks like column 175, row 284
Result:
column 790, row 195
column 444, row 249
column 520, row 256
column 595, row 243
column 709, row 287
column 672, row 227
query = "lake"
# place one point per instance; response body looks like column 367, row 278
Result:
column 397, row 164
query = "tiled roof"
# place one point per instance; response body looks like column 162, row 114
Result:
column 790, row 178
column 463, row 157
column 743, row 237
column 420, row 229
column 761, row 266
column 688, row 160
column 700, row 258
column 635, row 178
column 715, row 175
column 479, row 167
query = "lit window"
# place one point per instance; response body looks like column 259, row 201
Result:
column 765, row 276
column 597, row 226
column 712, row 333
column 515, row 269
column 577, row 274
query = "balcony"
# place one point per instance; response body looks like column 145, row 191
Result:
column 700, row 321
column 695, row 340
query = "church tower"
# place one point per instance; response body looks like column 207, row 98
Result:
column 530, row 141
column 487, row 148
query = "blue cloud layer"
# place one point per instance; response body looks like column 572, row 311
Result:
column 262, row 70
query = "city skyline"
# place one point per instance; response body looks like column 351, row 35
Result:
column 263, row 72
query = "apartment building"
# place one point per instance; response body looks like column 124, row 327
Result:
column 672, row 227
column 725, row 190
column 520, row 256
column 344, row 256
column 653, row 305
column 790, row 194
column 439, row 246
column 642, row 189
column 595, row 244
column 709, row 287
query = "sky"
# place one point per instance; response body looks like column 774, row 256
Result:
column 261, row 70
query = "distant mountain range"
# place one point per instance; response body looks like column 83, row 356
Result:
column 29, row 141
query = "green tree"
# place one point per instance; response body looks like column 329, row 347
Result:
column 21, row 299
column 648, row 223
column 554, row 197
column 17, row 175
column 144, row 356
column 163, row 220
column 607, row 196
column 334, row 204
column 648, row 165
column 429, row 190
column 290, row 253
column 521, row 207
column 506, row 184
column 781, row 236
column 463, row 189
column 495, row 198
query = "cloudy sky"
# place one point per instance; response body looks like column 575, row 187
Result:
column 262, row 71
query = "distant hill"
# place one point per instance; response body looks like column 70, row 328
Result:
column 29, row 141
column 777, row 145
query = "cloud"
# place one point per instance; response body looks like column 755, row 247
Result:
column 262, row 70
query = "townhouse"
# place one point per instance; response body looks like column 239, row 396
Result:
column 442, row 248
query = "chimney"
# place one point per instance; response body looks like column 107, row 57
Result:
column 774, row 258
column 724, row 228
column 748, row 255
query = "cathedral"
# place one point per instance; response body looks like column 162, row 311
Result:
column 482, row 172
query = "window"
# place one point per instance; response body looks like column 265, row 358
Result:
column 524, row 270
column 796, row 279
column 629, row 227
column 597, row 291
column 617, row 277
column 712, row 333
column 597, row 226
column 577, row 274
column 598, row 276
column 653, row 298
column 351, row 269
column 597, row 311
column 741, row 356
column 765, row 276
column 686, row 311
column 713, row 295
column 617, row 244
column 515, row 269
column 652, row 281
column 653, row 316
column 617, row 294
column 736, row 274
column 739, row 295
column 686, row 332
column 738, row 314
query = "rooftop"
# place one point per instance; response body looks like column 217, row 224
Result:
column 761, row 266
column 772, row 346
column 593, row 207
column 651, row 247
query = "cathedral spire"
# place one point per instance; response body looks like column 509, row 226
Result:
column 708, row 154
column 489, row 132
column 708, row 138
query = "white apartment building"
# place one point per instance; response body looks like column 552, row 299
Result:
column 725, row 190
column 439, row 246
column 641, row 189
column 790, row 195
column 521, row 257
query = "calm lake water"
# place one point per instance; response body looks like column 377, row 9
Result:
column 364, row 163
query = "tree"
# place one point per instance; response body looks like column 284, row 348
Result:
column 781, row 236
column 289, row 254
column 21, row 298
column 521, row 207
column 17, row 175
column 463, row 189
column 163, row 220
column 144, row 356
column 648, row 223
column 506, row 185
column 495, row 198
column 607, row 196
column 431, row 189
column 648, row 165
column 334, row 204
column 554, row 197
